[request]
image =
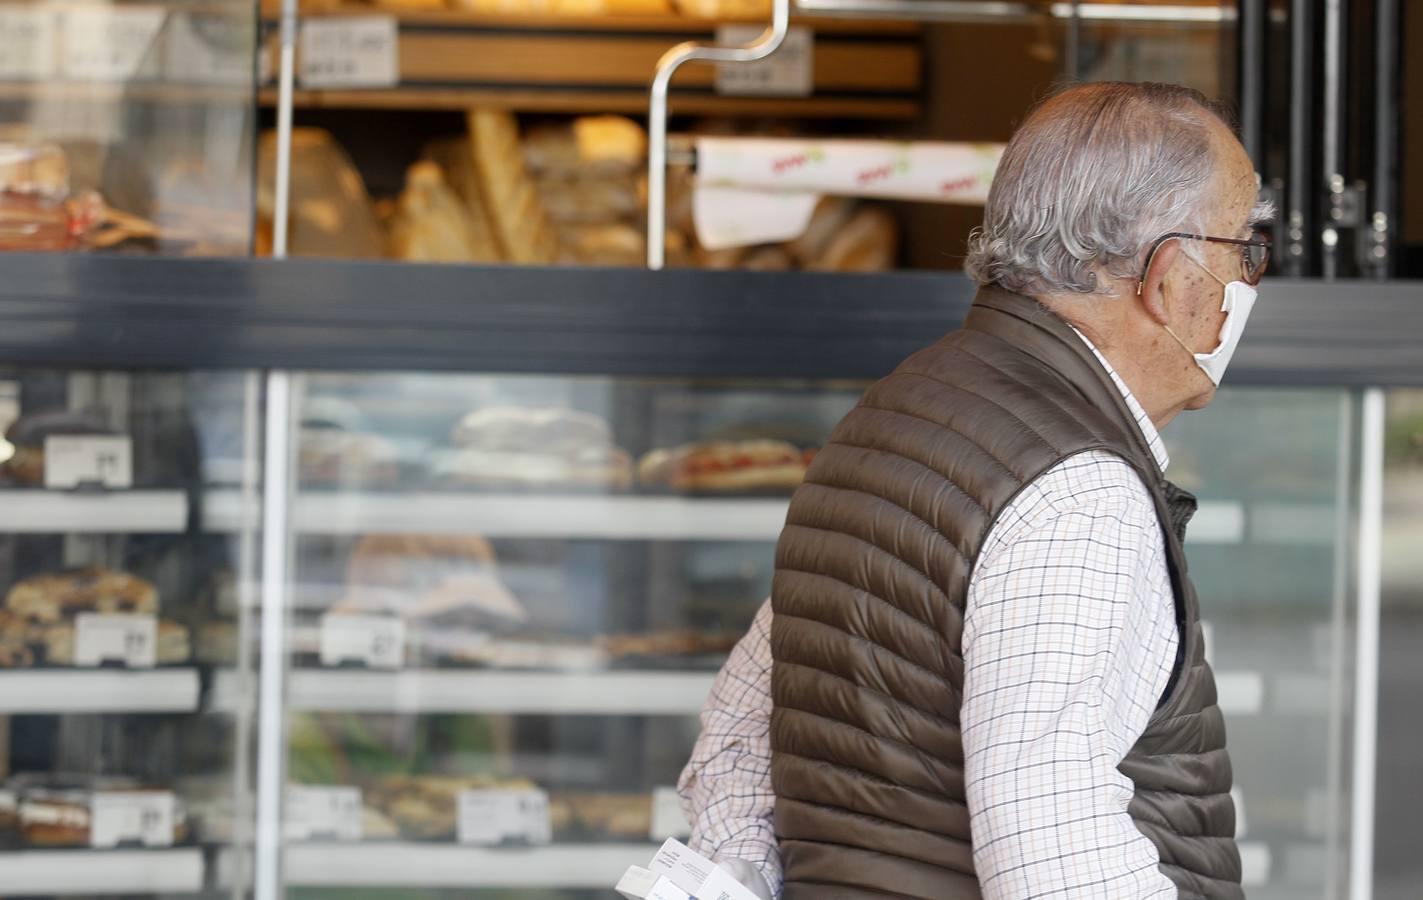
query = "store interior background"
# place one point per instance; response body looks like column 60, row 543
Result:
column 203, row 171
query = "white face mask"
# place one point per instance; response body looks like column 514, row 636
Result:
column 1239, row 301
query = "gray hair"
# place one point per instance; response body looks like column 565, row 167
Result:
column 1095, row 174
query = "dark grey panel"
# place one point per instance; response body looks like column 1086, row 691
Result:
column 300, row 314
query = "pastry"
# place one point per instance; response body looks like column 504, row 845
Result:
column 768, row 259
column 623, row 816
column 426, row 807
column 578, row 200
column 590, row 146
column 669, row 643
column 28, row 433
column 16, row 650
column 516, row 428
column 329, row 457
column 725, row 466
column 55, row 818
column 867, row 243
column 51, row 598
column 516, row 446
column 425, row 576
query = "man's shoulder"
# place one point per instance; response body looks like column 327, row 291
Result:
column 1093, row 482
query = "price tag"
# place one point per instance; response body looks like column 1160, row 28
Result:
column 210, row 48
column 377, row 642
column 29, row 37
column 110, row 43
column 132, row 817
column 350, row 52
column 667, row 818
column 789, row 72
column 72, row 460
column 494, row 816
column 130, row 639
column 314, row 812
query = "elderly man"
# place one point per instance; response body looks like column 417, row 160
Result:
column 981, row 671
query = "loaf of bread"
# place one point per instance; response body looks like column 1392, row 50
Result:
column 432, row 224
column 55, row 597
column 521, row 227
column 455, row 157
column 869, row 242
column 331, row 213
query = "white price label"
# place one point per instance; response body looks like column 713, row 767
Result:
column 323, row 812
column 350, row 52
column 495, row 816
column 132, row 817
column 71, row 460
column 29, row 38
column 377, row 642
column 788, row 72
column 110, row 43
column 210, row 48
column 130, row 639
column 667, row 818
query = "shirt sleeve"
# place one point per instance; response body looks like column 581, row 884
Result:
column 1069, row 641
column 726, row 787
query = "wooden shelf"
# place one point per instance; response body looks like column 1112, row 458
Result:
column 457, row 60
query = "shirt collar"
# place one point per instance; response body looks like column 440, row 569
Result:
column 1143, row 421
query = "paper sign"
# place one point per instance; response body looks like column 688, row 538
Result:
column 350, row 52
column 29, row 37
column 788, row 72
column 683, row 866
column 132, row 817
column 109, row 43
column 209, row 48
column 488, row 817
column 73, row 460
column 127, row 638
column 377, row 642
column 332, row 812
column 667, row 818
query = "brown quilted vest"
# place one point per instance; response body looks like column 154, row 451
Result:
column 872, row 572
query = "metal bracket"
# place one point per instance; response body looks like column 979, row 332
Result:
column 1346, row 202
column 673, row 60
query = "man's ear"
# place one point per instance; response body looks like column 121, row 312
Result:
column 1151, row 293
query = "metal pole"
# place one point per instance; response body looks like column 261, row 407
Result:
column 1366, row 650
column 286, row 83
column 1074, row 42
column 247, row 574
column 673, row 60
column 1333, row 128
column 1338, row 651
column 1386, row 60
column 1301, row 181
column 1252, row 78
column 271, row 687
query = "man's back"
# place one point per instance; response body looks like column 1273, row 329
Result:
column 873, row 574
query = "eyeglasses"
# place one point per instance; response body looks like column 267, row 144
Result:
column 1254, row 254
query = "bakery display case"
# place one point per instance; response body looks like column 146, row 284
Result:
column 515, row 542
column 127, row 127
column 122, row 596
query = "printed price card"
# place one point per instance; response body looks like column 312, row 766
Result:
column 494, row 816
column 29, row 37
column 359, row 51
column 132, row 817
column 109, row 43
column 130, row 639
column 71, row 460
column 788, row 72
column 320, row 811
column 377, row 642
